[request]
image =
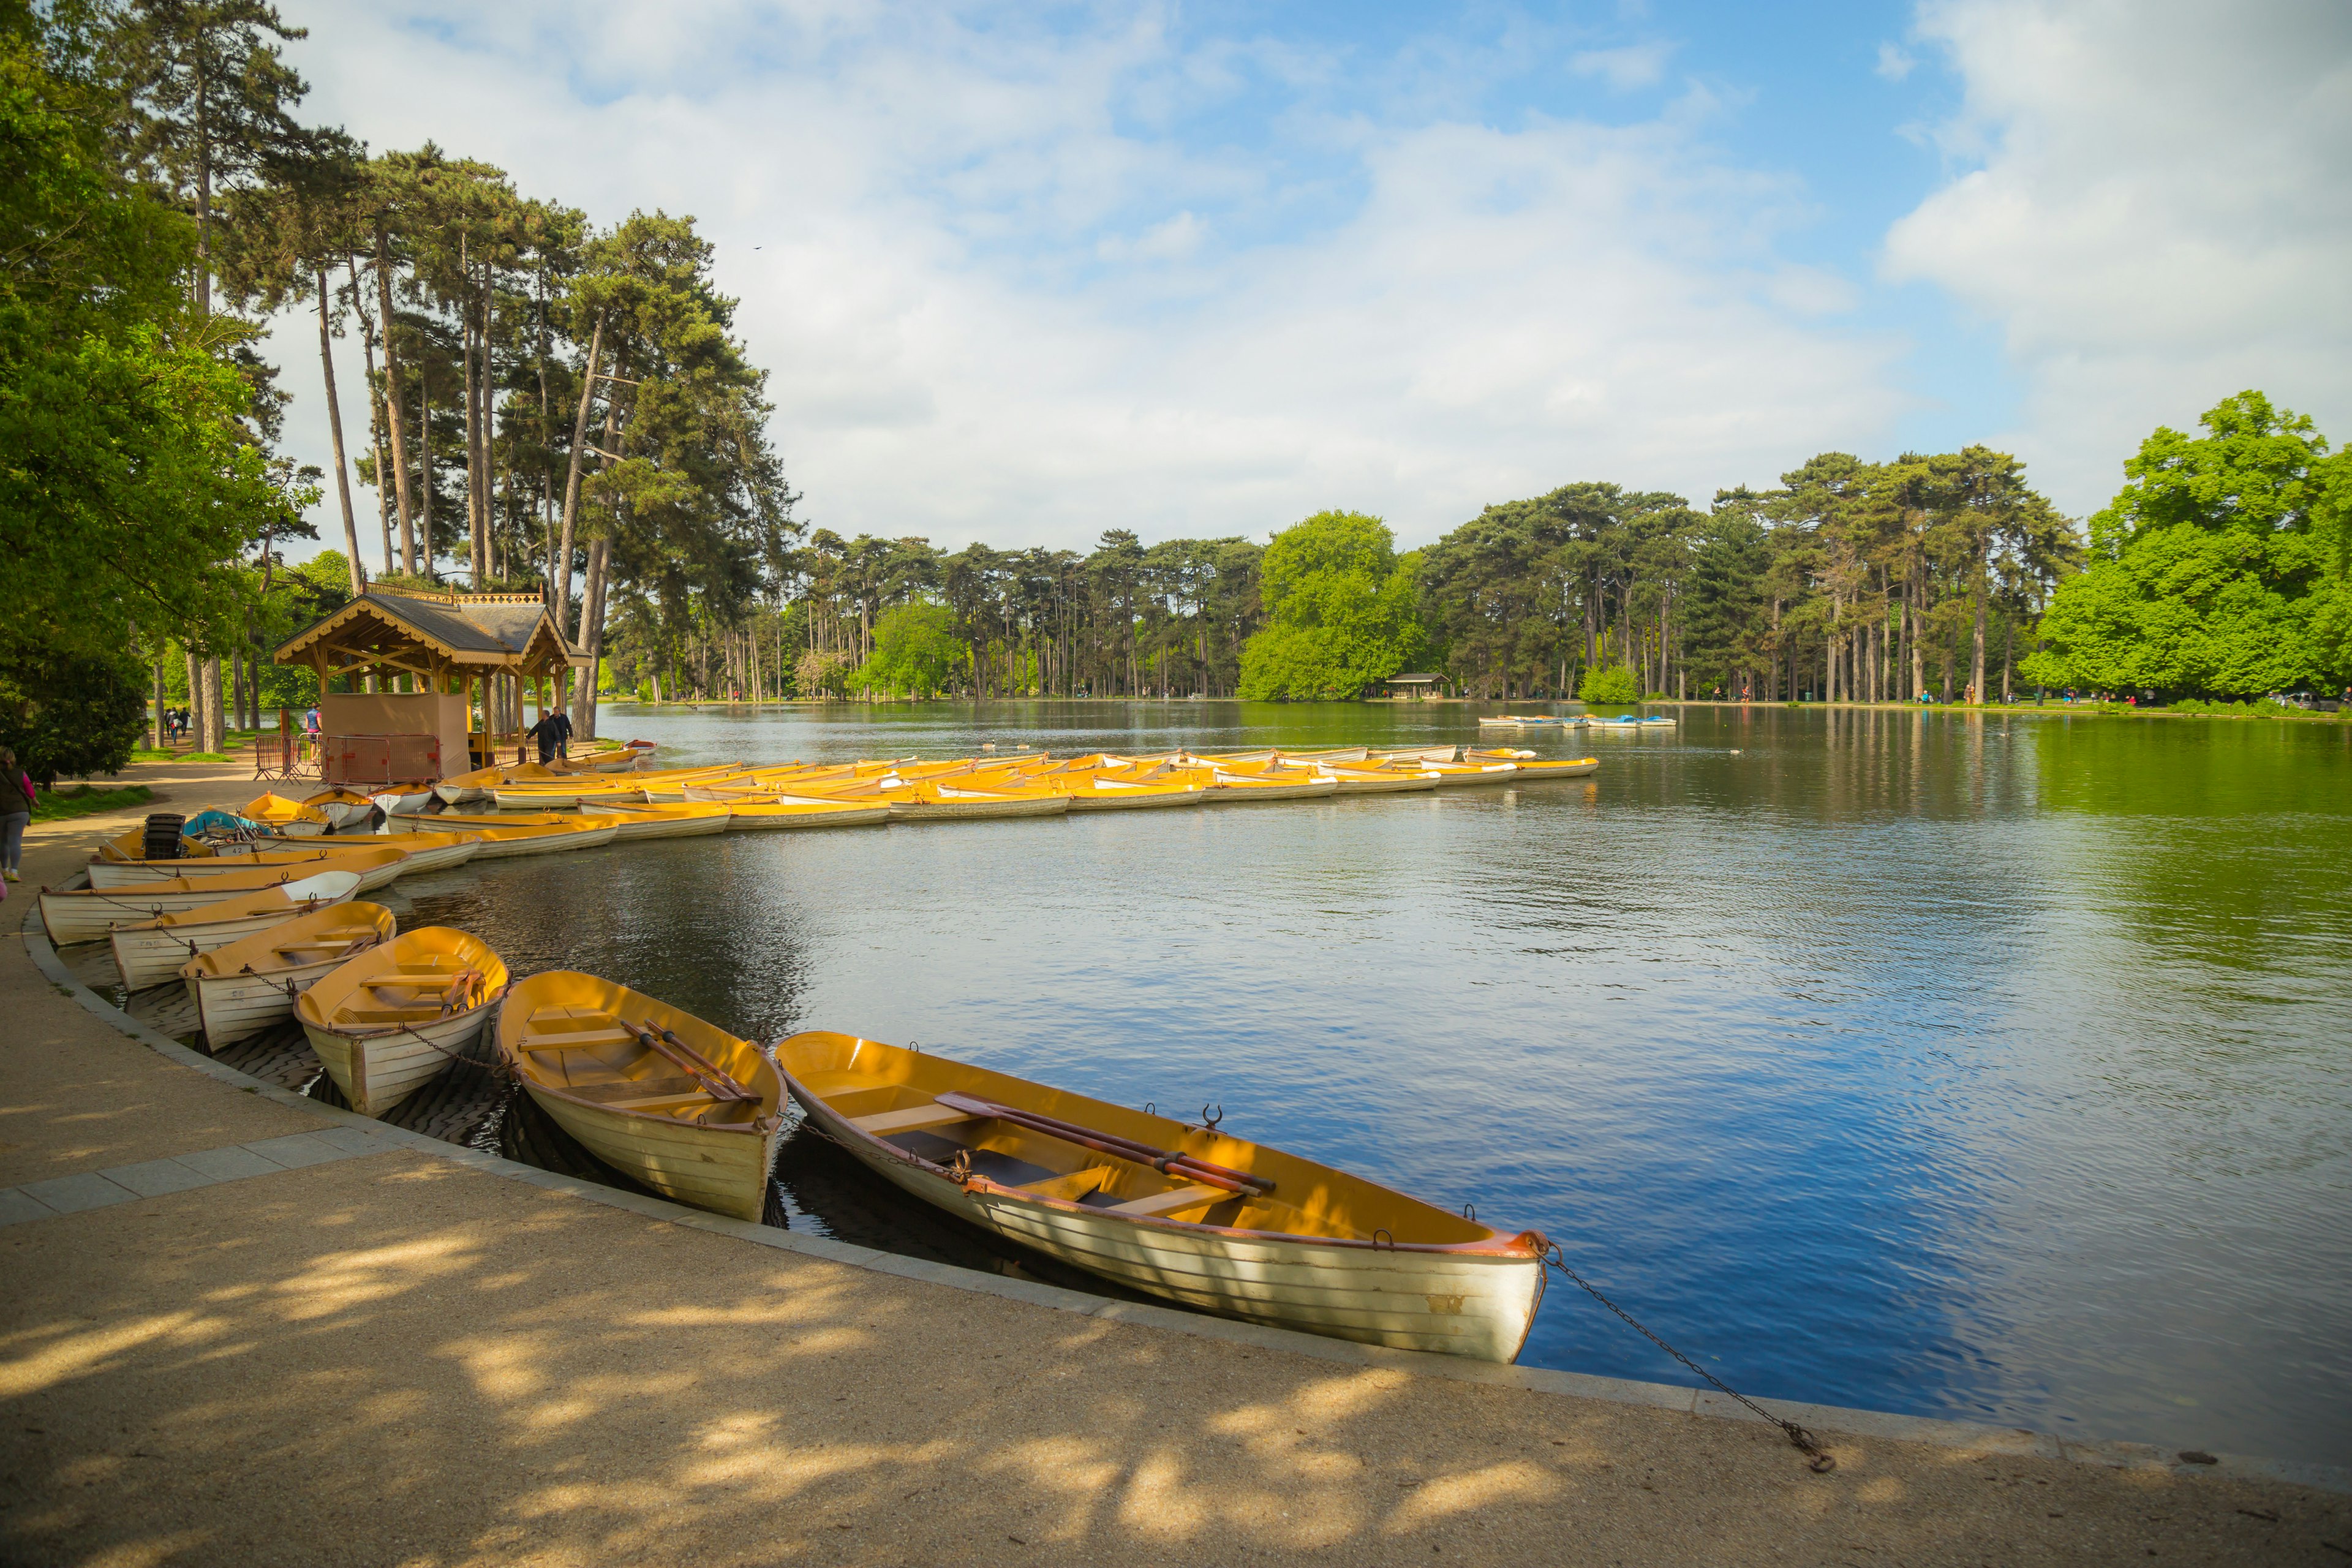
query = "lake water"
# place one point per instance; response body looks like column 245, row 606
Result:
column 1996, row 1068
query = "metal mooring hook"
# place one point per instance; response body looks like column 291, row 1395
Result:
column 1210, row 1122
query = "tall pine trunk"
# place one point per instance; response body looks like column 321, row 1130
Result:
column 335, row 433
column 559, row 568
column 392, row 402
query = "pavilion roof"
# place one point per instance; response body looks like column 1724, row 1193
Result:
column 510, row 633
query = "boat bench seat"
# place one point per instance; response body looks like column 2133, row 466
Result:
column 628, row 1094
column 1171, row 1202
column 908, row 1119
column 578, row 1040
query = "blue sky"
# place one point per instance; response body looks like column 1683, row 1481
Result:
column 1023, row 274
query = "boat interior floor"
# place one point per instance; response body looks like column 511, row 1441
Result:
column 593, row 1056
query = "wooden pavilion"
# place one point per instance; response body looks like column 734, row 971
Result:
column 433, row 681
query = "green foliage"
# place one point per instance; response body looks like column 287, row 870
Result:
column 2218, row 568
column 70, row 713
column 128, row 485
column 88, row 800
column 914, row 651
column 1340, row 608
column 1605, row 684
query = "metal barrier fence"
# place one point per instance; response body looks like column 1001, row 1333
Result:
column 350, row 761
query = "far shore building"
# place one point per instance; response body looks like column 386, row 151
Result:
column 1415, row 686
column 431, row 684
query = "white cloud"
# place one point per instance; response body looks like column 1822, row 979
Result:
column 995, row 310
column 2157, row 218
column 1636, row 65
column 1893, row 63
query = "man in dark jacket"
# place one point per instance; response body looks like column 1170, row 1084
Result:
column 562, row 722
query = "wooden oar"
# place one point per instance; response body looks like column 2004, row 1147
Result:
column 1169, row 1162
column 723, row 1086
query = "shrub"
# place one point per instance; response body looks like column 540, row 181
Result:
column 1614, row 683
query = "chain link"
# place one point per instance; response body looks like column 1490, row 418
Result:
column 1817, row 1458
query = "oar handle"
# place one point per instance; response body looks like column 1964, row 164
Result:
column 1165, row 1161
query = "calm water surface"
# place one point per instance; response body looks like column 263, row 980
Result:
column 1991, row 1069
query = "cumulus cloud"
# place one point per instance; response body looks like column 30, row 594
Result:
column 1893, row 64
column 2151, row 205
column 998, row 304
column 1636, row 65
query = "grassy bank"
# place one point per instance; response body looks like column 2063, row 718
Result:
column 87, row 800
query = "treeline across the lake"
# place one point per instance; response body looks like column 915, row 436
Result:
column 2219, row 571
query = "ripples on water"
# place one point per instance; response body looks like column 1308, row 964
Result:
column 1987, row 1068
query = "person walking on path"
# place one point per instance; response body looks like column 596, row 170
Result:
column 16, row 813
column 562, row 724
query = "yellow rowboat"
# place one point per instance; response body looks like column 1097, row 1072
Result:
column 341, row 808
column 1196, row 1217
column 1451, row 776
column 88, row 914
column 663, row 821
column 657, row 1094
column 1565, row 768
column 569, row 833
column 246, row 987
column 292, row 818
column 555, row 797
column 375, row 861
column 465, row 788
column 1416, row 754
column 391, row 1018
column 151, row 951
column 468, row 822
column 403, row 801
column 927, row 802
column 1380, row 781
column 762, row 813
column 428, row 850
column 1239, row 789
column 1094, row 793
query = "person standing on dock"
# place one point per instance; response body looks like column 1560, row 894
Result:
column 544, row 733
column 16, row 812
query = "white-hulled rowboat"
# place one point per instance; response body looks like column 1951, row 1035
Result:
column 251, row 983
column 657, row 1094
column 1189, row 1214
column 391, row 1018
column 152, row 952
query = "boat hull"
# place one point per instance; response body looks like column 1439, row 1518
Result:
column 724, row 1170
column 755, row 817
column 1226, row 792
column 376, row 1070
column 1400, row 784
column 72, row 917
column 1455, row 1303
column 1140, row 800
column 974, row 810
column 231, row 1007
column 146, row 956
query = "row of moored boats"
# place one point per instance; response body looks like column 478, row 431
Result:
column 265, row 928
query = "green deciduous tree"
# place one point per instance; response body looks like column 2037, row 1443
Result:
column 1340, row 610
column 2218, row 570
column 916, row 652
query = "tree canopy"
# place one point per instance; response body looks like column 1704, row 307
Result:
column 2218, row 570
column 1340, row 614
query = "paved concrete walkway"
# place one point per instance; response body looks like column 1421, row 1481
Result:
column 306, row 1351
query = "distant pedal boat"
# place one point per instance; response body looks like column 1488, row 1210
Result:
column 1195, row 1216
column 391, row 1019
column 659, row 1094
column 152, row 952
column 250, row 984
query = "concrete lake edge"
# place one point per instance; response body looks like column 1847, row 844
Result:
column 1958, row 1435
